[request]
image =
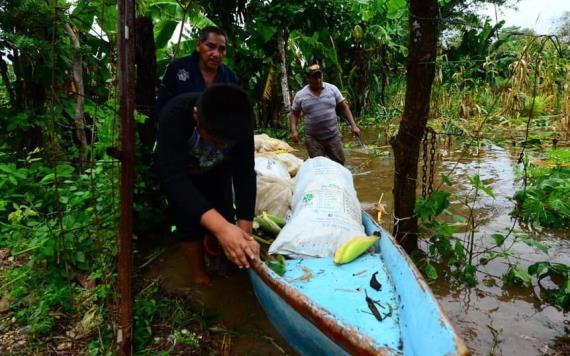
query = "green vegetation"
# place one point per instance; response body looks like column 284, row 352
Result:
column 59, row 176
column 459, row 258
column 546, row 199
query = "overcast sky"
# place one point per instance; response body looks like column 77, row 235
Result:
column 536, row 14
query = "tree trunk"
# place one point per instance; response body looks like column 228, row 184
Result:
column 406, row 144
column 383, row 74
column 7, row 84
column 269, row 113
column 30, row 93
column 77, row 72
column 283, row 69
column 362, row 80
column 146, row 84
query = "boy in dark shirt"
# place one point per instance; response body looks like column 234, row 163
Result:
column 205, row 143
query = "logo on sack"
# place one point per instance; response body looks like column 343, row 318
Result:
column 308, row 197
column 183, row 75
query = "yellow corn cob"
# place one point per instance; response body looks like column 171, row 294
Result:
column 353, row 248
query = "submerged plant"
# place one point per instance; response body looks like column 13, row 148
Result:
column 546, row 199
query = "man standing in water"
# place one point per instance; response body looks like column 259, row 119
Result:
column 319, row 101
column 196, row 72
column 202, row 148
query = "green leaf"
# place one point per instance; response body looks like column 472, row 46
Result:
column 534, row 243
column 266, row 32
column 517, row 276
column 445, row 179
column 443, row 229
column 468, row 275
column 64, row 170
column 536, row 269
column 499, row 239
column 459, row 250
column 478, row 184
column 278, row 265
column 165, row 30
column 433, row 206
column 394, row 8
column 8, row 168
column 199, row 20
column 47, row 179
column 80, row 257
column 560, row 269
column 13, row 180
column 430, row 271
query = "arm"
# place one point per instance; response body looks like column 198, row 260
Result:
column 238, row 245
column 345, row 112
column 293, row 121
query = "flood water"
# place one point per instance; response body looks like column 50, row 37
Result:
column 522, row 323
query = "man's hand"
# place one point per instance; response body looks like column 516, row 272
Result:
column 238, row 245
column 245, row 225
column 355, row 131
column 295, row 136
column 293, row 119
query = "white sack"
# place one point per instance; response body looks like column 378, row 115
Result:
column 265, row 166
column 291, row 162
column 273, row 195
column 325, row 211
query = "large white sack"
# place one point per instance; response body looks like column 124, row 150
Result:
column 266, row 166
column 325, row 211
column 273, row 195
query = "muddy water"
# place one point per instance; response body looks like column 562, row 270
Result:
column 521, row 322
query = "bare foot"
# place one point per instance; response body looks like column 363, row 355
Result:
column 194, row 255
column 202, row 279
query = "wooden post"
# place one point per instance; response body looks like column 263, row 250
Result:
column 406, row 144
column 126, row 72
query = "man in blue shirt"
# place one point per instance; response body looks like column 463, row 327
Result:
column 196, row 72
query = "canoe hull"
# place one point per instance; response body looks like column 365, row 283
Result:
column 300, row 333
column 315, row 317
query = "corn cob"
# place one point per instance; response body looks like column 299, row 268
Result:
column 267, row 225
column 353, row 248
column 280, row 222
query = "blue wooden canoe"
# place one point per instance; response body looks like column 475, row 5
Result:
column 328, row 313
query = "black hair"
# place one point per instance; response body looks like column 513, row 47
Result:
column 205, row 32
column 225, row 111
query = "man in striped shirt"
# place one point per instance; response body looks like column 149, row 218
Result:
column 319, row 101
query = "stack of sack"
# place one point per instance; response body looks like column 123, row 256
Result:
column 316, row 197
column 276, row 168
column 325, row 212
